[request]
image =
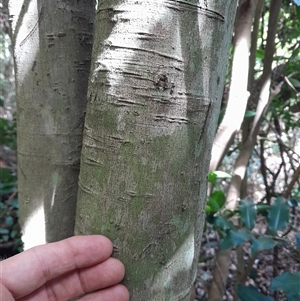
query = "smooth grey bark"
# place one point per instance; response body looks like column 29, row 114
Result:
column 238, row 94
column 156, row 82
column 52, row 47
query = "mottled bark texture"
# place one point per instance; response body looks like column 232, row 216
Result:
column 155, row 87
column 52, row 47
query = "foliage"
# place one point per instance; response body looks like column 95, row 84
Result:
column 214, row 175
column 289, row 284
column 232, row 236
column 286, row 282
column 8, row 133
column 250, row 293
column 217, row 199
column 10, row 234
column 273, row 164
column 9, row 227
column 215, row 202
column 10, row 237
column 278, row 216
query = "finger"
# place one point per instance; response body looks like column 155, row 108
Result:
column 76, row 283
column 118, row 292
column 26, row 272
column 5, row 294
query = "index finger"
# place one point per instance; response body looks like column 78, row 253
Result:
column 25, row 272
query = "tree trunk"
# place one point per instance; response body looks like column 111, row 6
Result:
column 238, row 94
column 154, row 93
column 52, row 47
column 264, row 97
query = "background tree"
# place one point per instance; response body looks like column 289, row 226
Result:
column 52, row 47
column 265, row 88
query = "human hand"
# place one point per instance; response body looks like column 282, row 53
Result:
column 63, row 270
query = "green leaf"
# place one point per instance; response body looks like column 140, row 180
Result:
column 247, row 212
column 278, row 216
column 288, row 283
column 14, row 203
column 4, row 231
column 253, row 274
column 212, row 177
column 9, row 221
column 219, row 197
column 210, row 219
column 20, row 248
column 215, row 202
column 262, row 209
column 3, row 123
column 250, row 113
column 234, row 238
column 262, row 243
column 260, row 54
column 292, row 296
column 292, row 203
column 3, row 209
column 295, row 82
column 250, row 293
column 218, row 174
column 209, row 210
column 223, row 223
column 222, row 174
column 1, row 101
column 5, row 175
column 13, row 233
column 5, row 238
